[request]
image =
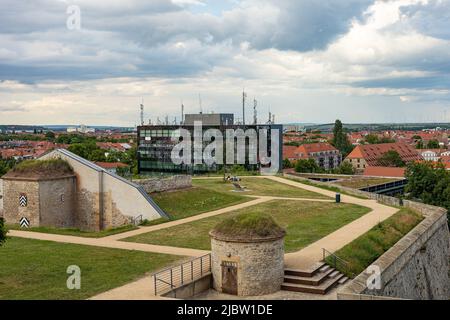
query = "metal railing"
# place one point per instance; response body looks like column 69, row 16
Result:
column 137, row 220
column 336, row 262
column 174, row 277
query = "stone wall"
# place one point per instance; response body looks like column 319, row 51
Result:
column 260, row 265
column 49, row 202
column 13, row 212
column 165, row 184
column 57, row 202
column 416, row 267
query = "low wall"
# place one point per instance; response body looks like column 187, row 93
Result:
column 165, row 184
column 191, row 289
column 1, row 198
column 416, row 267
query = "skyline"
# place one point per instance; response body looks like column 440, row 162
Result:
column 359, row 61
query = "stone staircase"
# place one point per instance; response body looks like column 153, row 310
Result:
column 319, row 280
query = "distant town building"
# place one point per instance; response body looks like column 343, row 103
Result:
column 111, row 166
column 325, row 155
column 434, row 154
column 81, row 129
column 369, row 155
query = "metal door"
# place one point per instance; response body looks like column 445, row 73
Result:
column 229, row 277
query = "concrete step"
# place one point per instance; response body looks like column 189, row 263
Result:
column 334, row 273
column 315, row 280
column 343, row 280
column 305, row 273
column 325, row 268
column 323, row 288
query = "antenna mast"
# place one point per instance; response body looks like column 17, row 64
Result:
column 200, row 103
column 142, row 112
column 182, row 113
column 255, row 112
column 244, row 97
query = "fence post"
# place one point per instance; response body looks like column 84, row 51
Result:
column 192, row 270
column 171, row 278
column 182, row 276
column 201, row 266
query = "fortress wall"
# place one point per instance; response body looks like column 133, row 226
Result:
column 165, row 184
column 416, row 267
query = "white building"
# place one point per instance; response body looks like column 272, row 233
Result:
column 81, row 129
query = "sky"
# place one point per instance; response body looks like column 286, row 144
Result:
column 362, row 61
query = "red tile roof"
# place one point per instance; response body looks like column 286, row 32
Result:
column 111, row 165
column 384, row 172
column 315, row 147
column 289, row 152
column 373, row 152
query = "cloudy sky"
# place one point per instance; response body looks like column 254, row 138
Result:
column 306, row 60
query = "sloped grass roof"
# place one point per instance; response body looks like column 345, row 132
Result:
column 40, row 169
column 248, row 227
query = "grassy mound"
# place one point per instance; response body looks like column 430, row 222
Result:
column 248, row 226
column 41, row 168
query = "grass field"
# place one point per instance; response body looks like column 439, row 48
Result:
column 34, row 269
column 185, row 203
column 258, row 186
column 305, row 222
column 364, row 182
column 361, row 252
column 75, row 232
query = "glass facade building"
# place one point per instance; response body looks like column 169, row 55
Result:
column 155, row 145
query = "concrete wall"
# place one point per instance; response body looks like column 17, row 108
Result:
column 165, row 184
column 260, row 265
column 191, row 289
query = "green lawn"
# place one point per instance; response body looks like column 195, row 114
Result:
column 260, row 187
column 189, row 202
column 34, row 269
column 363, row 251
column 325, row 187
column 305, row 222
column 75, row 232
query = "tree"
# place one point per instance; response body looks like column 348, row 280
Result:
column 287, row 164
column 391, row 159
column 420, row 145
column 307, row 166
column 344, row 168
column 50, row 135
column 430, row 183
column 371, row 139
column 3, row 231
column 433, row 144
column 340, row 140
